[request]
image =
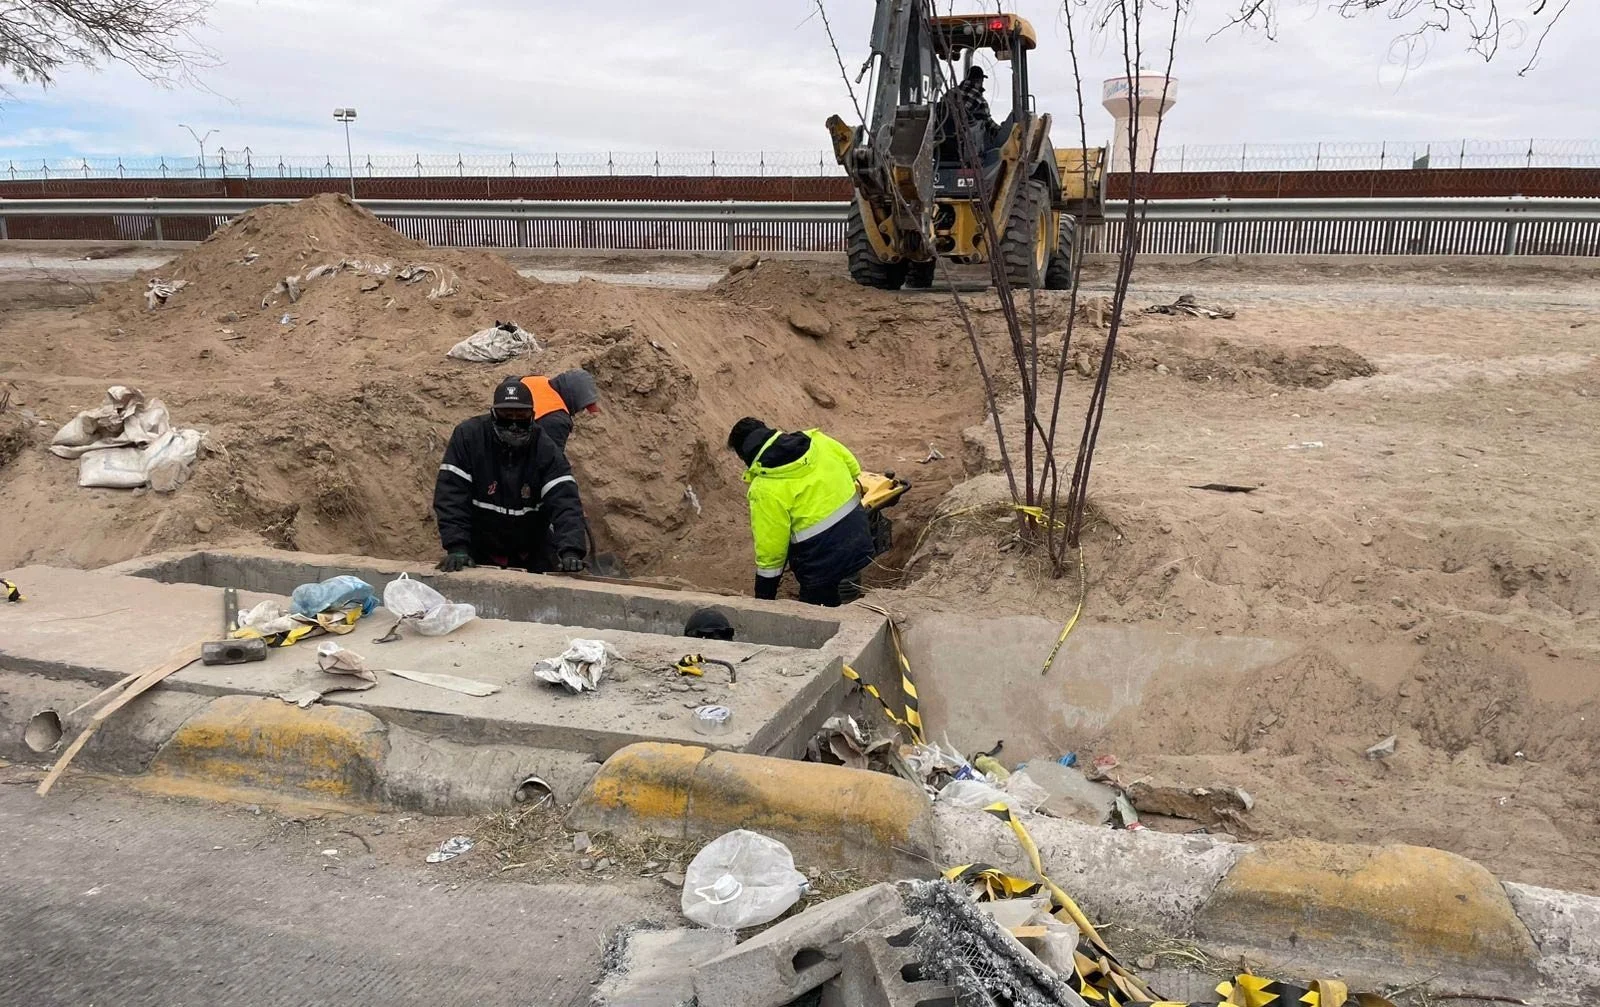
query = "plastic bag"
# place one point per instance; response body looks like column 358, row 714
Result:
column 494, row 345
column 741, row 879
column 334, row 593
column 977, row 795
column 432, row 612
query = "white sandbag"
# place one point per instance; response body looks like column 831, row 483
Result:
column 168, row 461
column 492, row 346
column 61, row 451
column 147, row 423
column 113, row 468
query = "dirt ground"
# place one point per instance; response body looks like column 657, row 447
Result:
column 1419, row 435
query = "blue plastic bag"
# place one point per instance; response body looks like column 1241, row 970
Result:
column 337, row 593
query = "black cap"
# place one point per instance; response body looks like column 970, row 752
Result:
column 975, row 71
column 708, row 624
column 512, row 394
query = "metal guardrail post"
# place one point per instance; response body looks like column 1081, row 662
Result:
column 1216, row 237
column 156, row 216
column 1509, row 247
column 2, row 229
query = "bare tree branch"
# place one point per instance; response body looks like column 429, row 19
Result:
column 39, row 38
column 1487, row 25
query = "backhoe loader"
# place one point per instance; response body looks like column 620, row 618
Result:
column 922, row 174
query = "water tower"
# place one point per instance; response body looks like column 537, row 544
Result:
column 1146, row 96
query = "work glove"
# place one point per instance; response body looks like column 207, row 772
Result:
column 455, row 561
column 572, row 562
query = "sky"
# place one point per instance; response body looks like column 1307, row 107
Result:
column 491, row 76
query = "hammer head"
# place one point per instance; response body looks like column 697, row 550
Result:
column 233, row 651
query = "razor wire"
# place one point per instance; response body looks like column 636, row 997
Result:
column 1241, row 157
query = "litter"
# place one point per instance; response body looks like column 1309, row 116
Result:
column 1187, row 305
column 433, row 613
column 741, row 879
column 447, row 285
column 1385, row 748
column 311, row 685
column 1130, row 817
column 579, row 668
column 128, row 442
column 1226, row 488
column 288, row 319
column 336, row 660
column 495, row 345
column 465, row 686
column 712, row 720
column 1070, row 759
column 335, row 594
column 840, row 741
column 158, row 290
column 934, row 455
column 278, row 628
column 450, row 849
column 1304, row 446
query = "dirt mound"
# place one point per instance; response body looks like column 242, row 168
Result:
column 1210, row 359
column 326, row 433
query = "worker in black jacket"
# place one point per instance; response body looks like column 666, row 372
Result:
column 505, row 495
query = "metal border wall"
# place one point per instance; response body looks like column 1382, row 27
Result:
column 1425, row 226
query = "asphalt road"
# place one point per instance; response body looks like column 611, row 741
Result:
column 115, row 899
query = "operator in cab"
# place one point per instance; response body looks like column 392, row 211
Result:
column 968, row 95
column 505, row 495
column 805, row 512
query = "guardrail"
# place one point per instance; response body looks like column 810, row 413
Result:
column 1472, row 226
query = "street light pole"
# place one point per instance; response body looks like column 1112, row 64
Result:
column 201, row 140
column 346, row 116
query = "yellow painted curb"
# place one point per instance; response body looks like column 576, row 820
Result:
column 826, row 815
column 1403, row 905
column 252, row 743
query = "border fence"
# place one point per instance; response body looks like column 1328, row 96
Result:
column 1424, row 226
column 1243, row 157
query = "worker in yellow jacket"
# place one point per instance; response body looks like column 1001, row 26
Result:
column 805, row 512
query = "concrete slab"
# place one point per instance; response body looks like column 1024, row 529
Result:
column 979, row 679
column 98, row 626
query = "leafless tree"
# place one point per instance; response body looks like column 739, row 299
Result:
column 39, row 38
column 1486, row 25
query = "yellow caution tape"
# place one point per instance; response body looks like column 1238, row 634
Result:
column 1083, row 589
column 1102, row 980
column 337, row 623
column 912, row 721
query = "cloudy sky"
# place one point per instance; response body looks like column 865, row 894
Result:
column 482, row 76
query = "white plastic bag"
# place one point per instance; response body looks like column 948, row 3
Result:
column 493, row 345
column 976, row 794
column 741, row 879
column 432, row 612
column 579, row 667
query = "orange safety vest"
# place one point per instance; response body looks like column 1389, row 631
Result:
column 546, row 399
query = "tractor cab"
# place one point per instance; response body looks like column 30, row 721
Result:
column 956, row 40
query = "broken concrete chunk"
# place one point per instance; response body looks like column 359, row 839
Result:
column 1208, row 805
column 655, row 968
column 882, row 969
column 1071, row 796
column 1384, row 748
column 797, row 955
column 744, row 263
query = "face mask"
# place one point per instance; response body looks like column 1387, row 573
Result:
column 513, row 433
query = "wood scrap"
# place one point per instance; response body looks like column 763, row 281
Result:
column 466, row 686
column 118, row 686
column 148, row 680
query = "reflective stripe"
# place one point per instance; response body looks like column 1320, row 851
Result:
column 762, row 571
column 455, row 471
column 827, row 522
column 502, row 510
column 545, row 489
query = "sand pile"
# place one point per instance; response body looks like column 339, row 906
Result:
column 329, row 429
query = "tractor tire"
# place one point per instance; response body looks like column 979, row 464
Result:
column 865, row 266
column 1023, row 248
column 1059, row 275
column 919, row 275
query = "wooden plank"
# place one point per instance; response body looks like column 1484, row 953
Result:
column 121, row 684
column 141, row 684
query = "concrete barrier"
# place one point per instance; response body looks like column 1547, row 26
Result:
column 1405, row 907
column 825, row 814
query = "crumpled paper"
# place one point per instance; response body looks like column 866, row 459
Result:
column 337, row 660
column 579, row 668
